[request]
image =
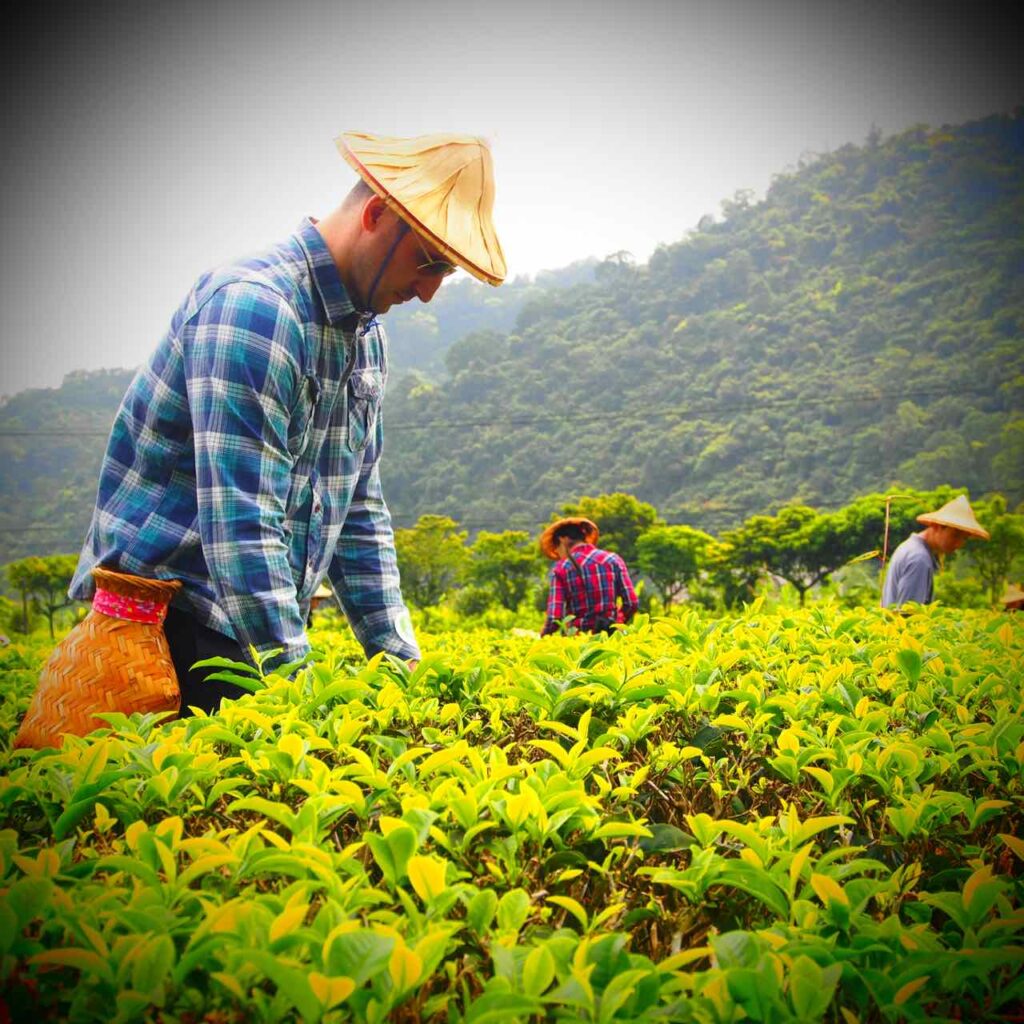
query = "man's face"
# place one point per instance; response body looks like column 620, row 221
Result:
column 948, row 539
column 414, row 270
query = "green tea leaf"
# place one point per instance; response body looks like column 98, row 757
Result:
column 481, row 910
column 910, row 664
column 513, row 909
column 538, row 971
column 571, row 905
column 84, row 960
column 500, row 1007
column 152, row 963
column 27, row 898
column 359, row 954
column 665, row 838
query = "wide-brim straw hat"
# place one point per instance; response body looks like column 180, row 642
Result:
column 549, row 545
column 442, row 186
column 958, row 514
column 1012, row 594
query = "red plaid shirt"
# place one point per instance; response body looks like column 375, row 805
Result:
column 593, row 591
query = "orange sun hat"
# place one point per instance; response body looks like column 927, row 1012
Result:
column 549, row 545
column 442, row 186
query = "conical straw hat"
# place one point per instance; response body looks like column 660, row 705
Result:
column 1012, row 593
column 958, row 514
column 442, row 186
column 547, row 539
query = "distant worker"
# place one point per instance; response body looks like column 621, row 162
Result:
column 590, row 584
column 911, row 572
column 1013, row 598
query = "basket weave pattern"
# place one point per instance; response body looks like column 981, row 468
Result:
column 104, row 664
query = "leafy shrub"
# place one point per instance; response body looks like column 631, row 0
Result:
column 802, row 814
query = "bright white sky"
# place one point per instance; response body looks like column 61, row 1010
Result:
column 145, row 142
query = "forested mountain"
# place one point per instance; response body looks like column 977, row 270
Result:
column 860, row 326
column 51, row 447
column 421, row 335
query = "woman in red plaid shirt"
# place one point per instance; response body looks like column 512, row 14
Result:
column 591, row 585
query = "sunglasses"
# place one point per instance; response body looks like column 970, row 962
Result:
column 434, row 267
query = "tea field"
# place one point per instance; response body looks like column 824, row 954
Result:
column 795, row 815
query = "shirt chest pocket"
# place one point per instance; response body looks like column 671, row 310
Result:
column 365, row 392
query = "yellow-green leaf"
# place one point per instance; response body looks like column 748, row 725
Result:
column 828, row 890
column 1013, row 843
column 982, row 875
column 621, row 829
column 909, row 989
column 287, row 921
column 427, row 876
column 330, row 991
column 574, row 908
column 405, row 967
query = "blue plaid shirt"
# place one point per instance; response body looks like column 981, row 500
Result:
column 244, row 459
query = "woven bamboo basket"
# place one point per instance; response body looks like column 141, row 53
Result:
column 105, row 664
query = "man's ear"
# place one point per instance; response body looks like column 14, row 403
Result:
column 373, row 209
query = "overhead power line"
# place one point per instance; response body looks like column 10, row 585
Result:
column 710, row 408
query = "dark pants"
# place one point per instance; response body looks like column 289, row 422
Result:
column 190, row 641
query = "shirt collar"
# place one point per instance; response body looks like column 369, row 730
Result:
column 337, row 305
column 580, row 550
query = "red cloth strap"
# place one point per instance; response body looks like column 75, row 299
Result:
column 134, row 609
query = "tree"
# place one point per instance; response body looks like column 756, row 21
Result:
column 994, row 559
column 431, row 558
column 801, row 545
column 725, row 570
column 46, row 579
column 504, row 564
column 672, row 557
column 621, row 518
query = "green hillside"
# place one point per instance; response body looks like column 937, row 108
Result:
column 51, row 447
column 421, row 335
column 860, row 326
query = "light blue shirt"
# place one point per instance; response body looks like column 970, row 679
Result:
column 911, row 574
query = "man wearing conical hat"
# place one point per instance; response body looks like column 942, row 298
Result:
column 911, row 572
column 591, row 585
column 245, row 458
column 1013, row 598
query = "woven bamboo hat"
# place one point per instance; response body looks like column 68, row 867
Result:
column 1012, row 594
column 958, row 514
column 442, row 186
column 549, row 545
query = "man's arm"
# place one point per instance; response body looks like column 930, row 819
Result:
column 364, row 569
column 241, row 369
column 556, row 609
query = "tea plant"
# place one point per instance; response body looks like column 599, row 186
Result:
column 795, row 816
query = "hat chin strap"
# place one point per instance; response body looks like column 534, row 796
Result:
column 403, row 230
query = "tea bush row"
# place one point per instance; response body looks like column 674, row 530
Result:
column 792, row 816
